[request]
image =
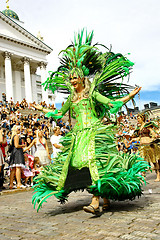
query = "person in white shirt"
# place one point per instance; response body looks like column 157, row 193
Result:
column 55, row 141
column 53, row 124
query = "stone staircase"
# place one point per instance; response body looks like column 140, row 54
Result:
column 27, row 111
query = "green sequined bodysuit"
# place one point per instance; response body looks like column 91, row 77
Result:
column 83, row 135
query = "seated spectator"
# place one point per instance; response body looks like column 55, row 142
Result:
column 3, row 115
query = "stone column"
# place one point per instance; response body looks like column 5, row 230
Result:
column 18, row 87
column 34, row 87
column 27, row 79
column 43, row 79
column 8, row 76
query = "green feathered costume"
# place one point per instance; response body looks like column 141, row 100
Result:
column 89, row 158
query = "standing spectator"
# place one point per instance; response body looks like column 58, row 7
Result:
column 46, row 132
column 64, row 130
column 11, row 100
column 131, row 130
column 33, row 148
column 43, row 124
column 3, row 143
column 8, row 137
column 17, row 157
column 59, row 123
column 127, row 145
column 4, row 97
column 42, row 148
column 55, row 140
column 1, row 160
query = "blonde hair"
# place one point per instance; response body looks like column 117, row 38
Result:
column 14, row 131
column 36, row 160
column 55, row 128
column 87, row 85
column 37, row 133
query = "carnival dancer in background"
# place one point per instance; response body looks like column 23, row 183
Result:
column 146, row 135
column 89, row 158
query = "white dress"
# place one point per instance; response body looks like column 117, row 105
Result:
column 41, row 153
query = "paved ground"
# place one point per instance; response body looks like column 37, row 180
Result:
column 139, row 219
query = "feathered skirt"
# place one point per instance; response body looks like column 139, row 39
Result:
column 150, row 152
column 90, row 159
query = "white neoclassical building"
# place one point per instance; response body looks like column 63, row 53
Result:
column 21, row 53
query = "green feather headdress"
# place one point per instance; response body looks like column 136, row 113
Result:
column 85, row 59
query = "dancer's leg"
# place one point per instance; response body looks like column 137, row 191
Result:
column 95, row 201
column 106, row 204
column 94, row 206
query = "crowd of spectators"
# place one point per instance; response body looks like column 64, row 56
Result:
column 29, row 122
column 34, row 125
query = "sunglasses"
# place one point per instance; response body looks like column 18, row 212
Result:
column 71, row 78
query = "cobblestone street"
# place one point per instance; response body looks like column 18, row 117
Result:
column 139, row 219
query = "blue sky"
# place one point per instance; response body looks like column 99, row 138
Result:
column 146, row 97
column 150, row 96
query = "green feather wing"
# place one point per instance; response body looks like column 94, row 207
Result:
column 57, row 81
column 109, row 82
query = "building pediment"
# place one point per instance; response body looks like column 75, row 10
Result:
column 12, row 31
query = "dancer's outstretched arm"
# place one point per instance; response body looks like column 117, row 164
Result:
column 130, row 95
